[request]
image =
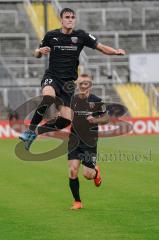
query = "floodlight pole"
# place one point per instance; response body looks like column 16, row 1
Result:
column 45, row 25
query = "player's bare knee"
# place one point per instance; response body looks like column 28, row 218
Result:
column 73, row 172
column 66, row 112
column 48, row 90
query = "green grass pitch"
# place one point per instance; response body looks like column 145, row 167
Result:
column 35, row 198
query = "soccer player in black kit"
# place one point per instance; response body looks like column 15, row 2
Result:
column 89, row 111
column 63, row 47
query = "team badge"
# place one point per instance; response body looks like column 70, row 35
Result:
column 91, row 105
column 74, row 39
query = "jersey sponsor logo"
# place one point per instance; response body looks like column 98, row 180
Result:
column 91, row 36
column 83, row 113
column 66, row 48
column 74, row 39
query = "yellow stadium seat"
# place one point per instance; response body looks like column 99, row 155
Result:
column 36, row 14
column 134, row 97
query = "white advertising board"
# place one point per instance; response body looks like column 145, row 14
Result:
column 144, row 68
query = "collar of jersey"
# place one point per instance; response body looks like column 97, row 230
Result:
column 66, row 34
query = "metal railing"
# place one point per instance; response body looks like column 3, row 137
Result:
column 99, row 89
column 35, row 20
column 116, row 35
column 5, row 91
column 108, row 67
column 24, row 70
column 13, row 13
column 13, row 80
column 16, row 36
column 104, row 12
column 105, row 57
column 57, row 6
column 146, row 9
column 24, row 66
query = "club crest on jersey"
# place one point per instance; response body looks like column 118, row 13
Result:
column 74, row 39
column 91, row 105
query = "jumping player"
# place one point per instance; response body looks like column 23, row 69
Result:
column 63, row 47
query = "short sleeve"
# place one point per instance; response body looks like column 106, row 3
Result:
column 89, row 40
column 99, row 110
column 73, row 102
column 45, row 41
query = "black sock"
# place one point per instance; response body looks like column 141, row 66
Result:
column 74, row 186
column 53, row 125
column 40, row 111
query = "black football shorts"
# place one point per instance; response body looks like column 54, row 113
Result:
column 86, row 155
column 64, row 89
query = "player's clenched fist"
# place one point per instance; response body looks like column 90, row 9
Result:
column 42, row 51
column 120, row 52
column 92, row 119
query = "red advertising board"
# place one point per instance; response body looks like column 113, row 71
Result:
column 140, row 126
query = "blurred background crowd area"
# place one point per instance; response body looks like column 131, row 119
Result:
column 132, row 80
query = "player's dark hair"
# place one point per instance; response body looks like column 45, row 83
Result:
column 66, row 10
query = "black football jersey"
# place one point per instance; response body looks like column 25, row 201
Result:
column 65, row 51
column 82, row 108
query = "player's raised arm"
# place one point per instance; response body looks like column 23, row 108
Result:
column 109, row 50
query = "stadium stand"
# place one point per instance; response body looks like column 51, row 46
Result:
column 121, row 24
column 17, row 44
column 134, row 97
column 17, row 41
column 38, row 23
column 129, row 25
